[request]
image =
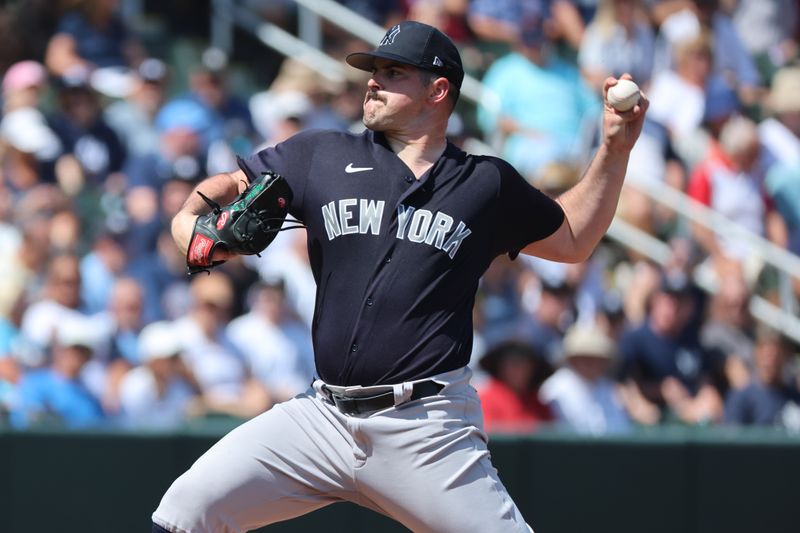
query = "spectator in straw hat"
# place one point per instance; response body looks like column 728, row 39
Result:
column 780, row 133
column 582, row 396
column 780, row 139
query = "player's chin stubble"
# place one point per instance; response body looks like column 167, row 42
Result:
column 371, row 118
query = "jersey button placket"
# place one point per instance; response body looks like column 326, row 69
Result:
column 354, row 348
column 370, row 301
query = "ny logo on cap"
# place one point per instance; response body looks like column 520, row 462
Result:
column 390, row 36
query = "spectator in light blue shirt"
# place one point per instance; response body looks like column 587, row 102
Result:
column 55, row 394
column 9, row 369
column 783, row 186
column 543, row 109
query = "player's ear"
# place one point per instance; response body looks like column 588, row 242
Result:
column 439, row 88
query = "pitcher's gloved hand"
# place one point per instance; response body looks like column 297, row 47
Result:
column 245, row 226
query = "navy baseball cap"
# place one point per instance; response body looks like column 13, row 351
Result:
column 416, row 44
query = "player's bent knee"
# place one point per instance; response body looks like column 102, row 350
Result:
column 193, row 506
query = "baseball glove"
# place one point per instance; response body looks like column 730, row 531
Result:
column 245, row 226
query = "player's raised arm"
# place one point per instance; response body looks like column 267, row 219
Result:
column 222, row 188
column 589, row 206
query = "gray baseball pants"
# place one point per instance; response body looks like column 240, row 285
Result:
column 423, row 463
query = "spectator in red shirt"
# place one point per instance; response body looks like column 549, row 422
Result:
column 728, row 181
column 510, row 397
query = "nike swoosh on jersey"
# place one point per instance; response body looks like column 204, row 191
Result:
column 350, row 169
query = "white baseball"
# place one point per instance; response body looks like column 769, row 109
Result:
column 624, row 95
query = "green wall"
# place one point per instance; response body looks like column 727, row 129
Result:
column 665, row 481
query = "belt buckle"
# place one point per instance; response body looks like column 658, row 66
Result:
column 351, row 405
column 328, row 395
column 362, row 404
column 342, row 403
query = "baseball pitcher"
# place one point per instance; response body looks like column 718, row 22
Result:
column 401, row 225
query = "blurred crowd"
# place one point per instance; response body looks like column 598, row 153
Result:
column 100, row 144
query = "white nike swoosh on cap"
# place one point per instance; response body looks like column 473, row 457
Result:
column 351, row 169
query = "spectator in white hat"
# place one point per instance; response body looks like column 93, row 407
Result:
column 158, row 393
column 581, row 395
column 28, row 150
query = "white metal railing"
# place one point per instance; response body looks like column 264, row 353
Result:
column 786, row 263
column 629, row 235
column 286, row 43
column 707, row 217
column 762, row 310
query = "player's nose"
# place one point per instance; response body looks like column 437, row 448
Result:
column 373, row 85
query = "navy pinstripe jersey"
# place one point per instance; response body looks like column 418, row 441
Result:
column 397, row 260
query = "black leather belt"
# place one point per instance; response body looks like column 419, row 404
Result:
column 356, row 405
